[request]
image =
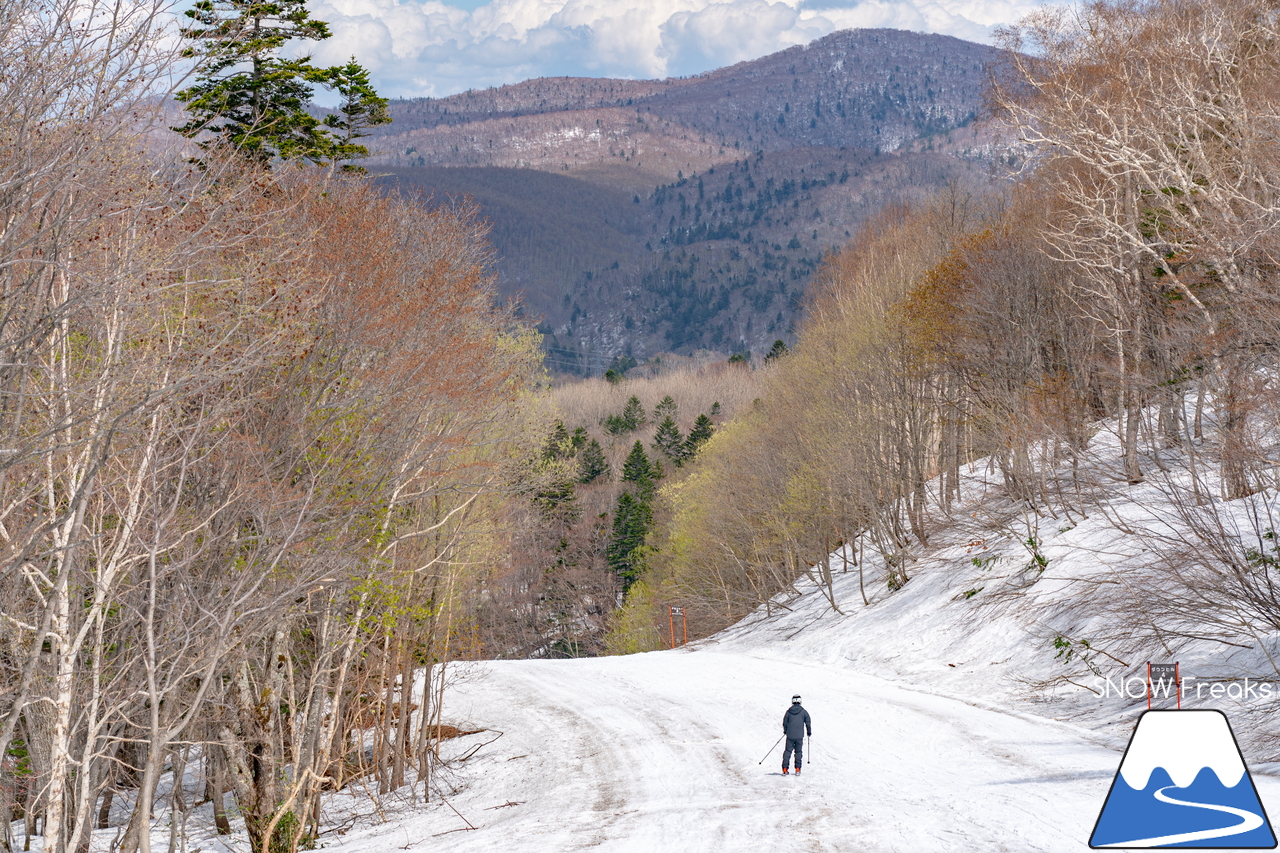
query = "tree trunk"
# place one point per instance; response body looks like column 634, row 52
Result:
column 216, row 781
column 1234, row 418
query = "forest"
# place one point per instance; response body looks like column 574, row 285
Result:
column 640, row 217
column 254, row 423
column 276, row 454
column 1125, row 279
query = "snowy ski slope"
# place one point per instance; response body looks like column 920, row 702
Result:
column 660, row 752
column 933, row 727
column 943, row 716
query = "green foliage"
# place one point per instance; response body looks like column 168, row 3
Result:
column 1068, row 649
column 668, row 441
column 698, row 436
column 630, row 420
column 633, row 413
column 549, row 477
column 249, row 97
column 554, row 496
column 1039, row 562
column 1258, row 558
column 777, row 351
column 18, row 757
column 632, row 630
column 612, row 376
column 665, row 409
column 639, row 470
column 282, row 838
column 592, row 465
column 632, row 521
column 359, row 109
column 740, row 357
column 559, row 445
column 621, row 364
column 566, row 647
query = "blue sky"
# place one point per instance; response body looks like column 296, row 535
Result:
column 417, row 48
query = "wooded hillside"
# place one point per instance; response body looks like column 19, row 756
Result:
column 253, row 425
column 1128, row 283
column 715, row 196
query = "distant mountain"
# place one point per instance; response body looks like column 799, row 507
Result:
column 642, row 216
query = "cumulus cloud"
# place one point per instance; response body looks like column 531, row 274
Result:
column 432, row 48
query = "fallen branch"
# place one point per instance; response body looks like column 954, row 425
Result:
column 469, row 824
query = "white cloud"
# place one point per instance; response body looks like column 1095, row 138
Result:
column 723, row 33
column 416, row 49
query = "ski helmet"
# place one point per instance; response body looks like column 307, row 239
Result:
column 795, row 700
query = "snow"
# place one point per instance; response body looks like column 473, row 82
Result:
column 945, row 717
column 663, row 751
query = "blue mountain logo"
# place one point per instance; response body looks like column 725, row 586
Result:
column 1183, row 783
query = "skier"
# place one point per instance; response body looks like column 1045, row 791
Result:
column 795, row 724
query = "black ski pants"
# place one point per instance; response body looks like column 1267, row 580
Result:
column 796, row 744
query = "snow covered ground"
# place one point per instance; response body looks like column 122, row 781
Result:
column 942, row 717
column 663, row 751
column 943, row 721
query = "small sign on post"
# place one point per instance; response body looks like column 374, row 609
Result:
column 1159, row 677
column 672, row 613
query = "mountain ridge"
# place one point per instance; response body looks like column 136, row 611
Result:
column 876, row 88
column 739, row 181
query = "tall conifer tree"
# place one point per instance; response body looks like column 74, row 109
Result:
column 248, row 96
column 668, row 441
column 592, row 465
column 631, row 523
column 698, row 436
column 639, row 470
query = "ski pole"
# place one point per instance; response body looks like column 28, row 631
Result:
column 772, row 748
column 810, row 749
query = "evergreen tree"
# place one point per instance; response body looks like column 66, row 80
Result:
column 633, row 414
column 631, row 523
column 621, row 364
column 669, row 441
column 558, row 444
column 698, row 436
column 359, row 108
column 639, row 470
column 666, row 409
column 579, row 438
column 249, row 97
column 778, row 350
column 592, row 465
column 631, row 419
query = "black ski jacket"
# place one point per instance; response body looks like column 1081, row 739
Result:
column 795, row 722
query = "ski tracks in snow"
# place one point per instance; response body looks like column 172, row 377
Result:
column 660, row 752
